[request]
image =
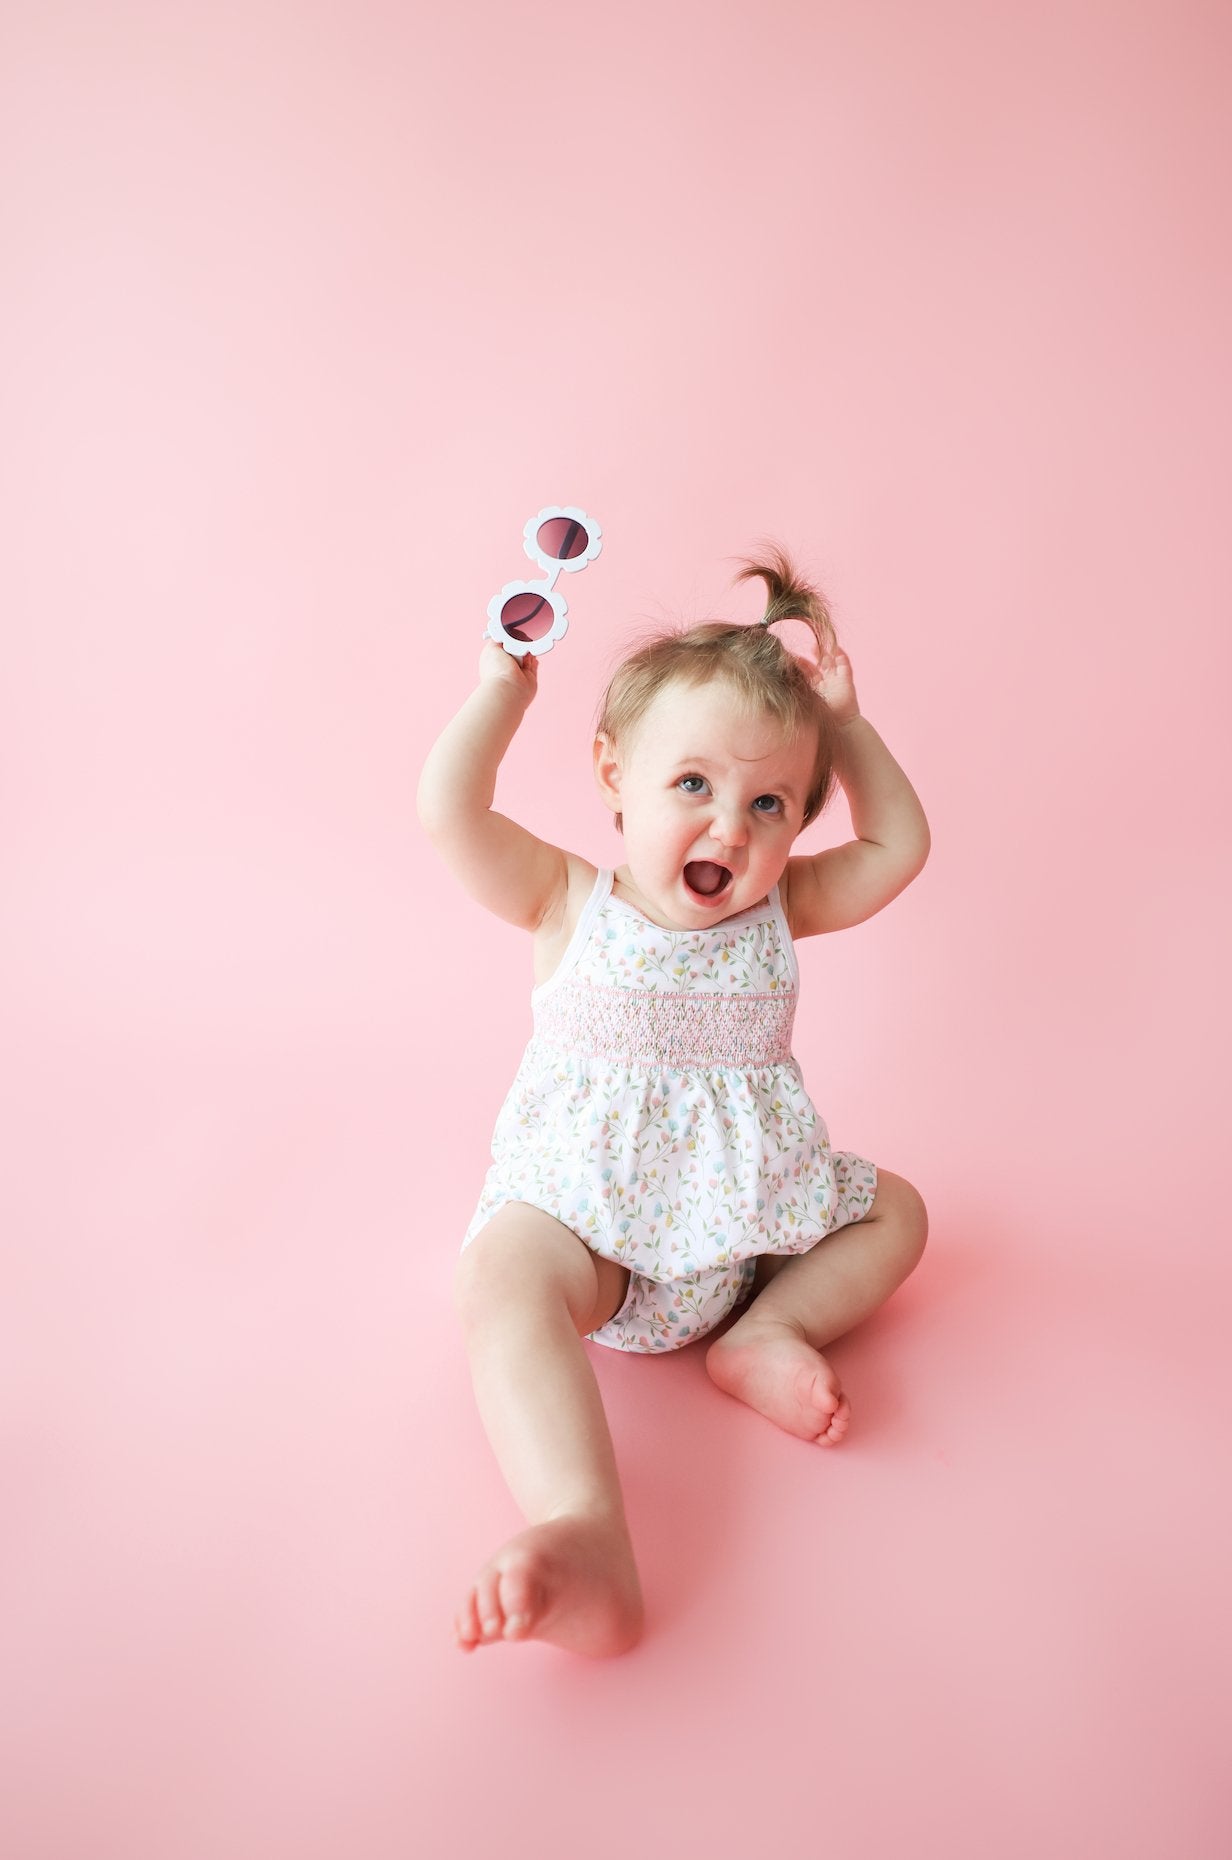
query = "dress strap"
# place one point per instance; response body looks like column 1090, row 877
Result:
column 600, row 892
column 784, row 930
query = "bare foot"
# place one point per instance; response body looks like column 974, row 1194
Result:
column 570, row 1580
column 774, row 1370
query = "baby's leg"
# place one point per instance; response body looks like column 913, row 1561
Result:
column 528, row 1291
column 771, row 1357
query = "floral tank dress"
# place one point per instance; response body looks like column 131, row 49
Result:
column 659, row 1114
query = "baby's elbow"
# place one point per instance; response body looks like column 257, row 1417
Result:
column 910, row 857
column 919, row 844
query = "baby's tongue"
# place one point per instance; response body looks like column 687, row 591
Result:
column 705, row 877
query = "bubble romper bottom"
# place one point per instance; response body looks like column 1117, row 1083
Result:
column 659, row 1114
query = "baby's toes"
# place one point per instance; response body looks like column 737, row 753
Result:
column 466, row 1625
column 488, row 1605
column 838, row 1424
column 517, row 1603
column 816, row 1388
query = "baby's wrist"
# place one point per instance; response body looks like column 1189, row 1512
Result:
column 503, row 694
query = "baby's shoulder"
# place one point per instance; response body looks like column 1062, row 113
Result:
column 789, row 891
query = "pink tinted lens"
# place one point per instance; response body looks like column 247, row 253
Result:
column 527, row 617
column 560, row 538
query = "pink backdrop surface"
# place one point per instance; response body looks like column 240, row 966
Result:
column 307, row 309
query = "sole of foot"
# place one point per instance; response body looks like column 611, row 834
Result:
column 784, row 1378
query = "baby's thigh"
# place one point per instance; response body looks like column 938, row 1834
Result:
column 522, row 1254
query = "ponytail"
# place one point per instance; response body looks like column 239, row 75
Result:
column 790, row 596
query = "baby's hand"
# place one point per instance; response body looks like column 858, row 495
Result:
column 834, row 683
column 496, row 666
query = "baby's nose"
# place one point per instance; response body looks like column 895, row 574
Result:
column 728, row 828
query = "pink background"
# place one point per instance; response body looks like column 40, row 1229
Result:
column 307, row 309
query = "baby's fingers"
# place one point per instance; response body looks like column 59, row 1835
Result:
column 507, row 668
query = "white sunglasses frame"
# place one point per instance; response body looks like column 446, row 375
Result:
column 551, row 566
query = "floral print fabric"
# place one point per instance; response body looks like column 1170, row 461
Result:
column 658, row 1113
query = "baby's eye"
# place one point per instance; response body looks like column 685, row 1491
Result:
column 692, row 784
column 768, row 804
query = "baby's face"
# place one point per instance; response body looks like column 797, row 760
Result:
column 711, row 799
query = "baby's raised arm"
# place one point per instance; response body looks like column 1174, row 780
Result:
column 847, row 884
column 519, row 877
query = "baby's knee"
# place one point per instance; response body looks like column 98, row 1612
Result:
column 917, row 1229
column 915, row 1212
column 901, row 1205
column 524, row 1258
column 481, row 1276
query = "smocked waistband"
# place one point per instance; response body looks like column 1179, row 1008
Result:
column 641, row 1026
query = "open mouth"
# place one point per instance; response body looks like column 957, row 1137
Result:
column 706, row 880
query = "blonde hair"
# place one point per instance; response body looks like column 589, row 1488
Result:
column 752, row 660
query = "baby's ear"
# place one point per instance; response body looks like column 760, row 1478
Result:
column 607, row 772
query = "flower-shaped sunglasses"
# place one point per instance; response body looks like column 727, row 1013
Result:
column 529, row 616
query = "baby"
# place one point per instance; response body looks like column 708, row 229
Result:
column 658, row 1161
